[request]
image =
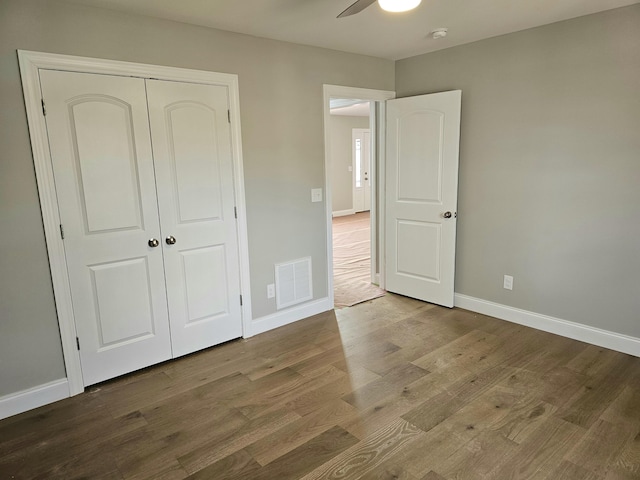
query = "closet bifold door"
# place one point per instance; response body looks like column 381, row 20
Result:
column 191, row 139
column 104, row 175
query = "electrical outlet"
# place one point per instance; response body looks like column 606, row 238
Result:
column 271, row 290
column 316, row 194
column 508, row 282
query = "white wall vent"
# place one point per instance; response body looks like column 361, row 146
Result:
column 293, row 282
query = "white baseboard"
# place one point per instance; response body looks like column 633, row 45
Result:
column 584, row 333
column 290, row 315
column 342, row 213
column 35, row 397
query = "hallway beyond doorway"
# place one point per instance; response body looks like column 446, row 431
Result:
column 352, row 260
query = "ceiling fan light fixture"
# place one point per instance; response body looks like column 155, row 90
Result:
column 398, row 5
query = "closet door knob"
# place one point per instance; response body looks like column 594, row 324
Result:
column 171, row 240
column 446, row 214
column 153, row 243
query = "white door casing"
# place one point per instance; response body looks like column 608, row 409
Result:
column 194, row 171
column 103, row 166
column 423, row 136
column 361, row 181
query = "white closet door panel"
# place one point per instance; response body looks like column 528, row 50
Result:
column 106, row 160
column 194, row 159
column 205, row 276
column 103, row 168
column 123, row 310
column 194, row 172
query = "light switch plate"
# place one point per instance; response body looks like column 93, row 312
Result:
column 316, row 194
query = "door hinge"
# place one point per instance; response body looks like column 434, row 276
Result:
column 44, row 110
column 229, row 115
column 240, row 300
column 61, row 231
column 78, row 343
column 235, row 212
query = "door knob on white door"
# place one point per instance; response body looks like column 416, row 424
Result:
column 171, row 240
column 446, row 214
column 153, row 243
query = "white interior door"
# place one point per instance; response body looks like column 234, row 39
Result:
column 423, row 135
column 103, row 167
column 361, row 169
column 194, row 171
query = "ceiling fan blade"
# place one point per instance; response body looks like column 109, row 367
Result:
column 356, row 7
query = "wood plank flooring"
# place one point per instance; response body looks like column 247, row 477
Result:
column 352, row 260
column 389, row 389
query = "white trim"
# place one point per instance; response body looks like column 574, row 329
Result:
column 35, row 397
column 375, row 192
column 339, row 91
column 577, row 331
column 30, row 63
column 381, row 185
column 241, row 205
column 344, row 213
column 285, row 317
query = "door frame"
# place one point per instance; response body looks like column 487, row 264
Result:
column 377, row 125
column 30, row 62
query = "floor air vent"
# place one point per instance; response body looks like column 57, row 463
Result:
column 293, row 282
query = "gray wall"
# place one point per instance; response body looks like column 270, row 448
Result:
column 283, row 146
column 549, row 166
column 341, row 128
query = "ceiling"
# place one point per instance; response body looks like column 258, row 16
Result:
column 372, row 32
column 352, row 107
column 354, row 110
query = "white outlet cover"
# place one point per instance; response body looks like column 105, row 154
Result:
column 271, row 290
column 316, row 194
column 508, row 282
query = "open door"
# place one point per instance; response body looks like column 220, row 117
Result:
column 423, row 135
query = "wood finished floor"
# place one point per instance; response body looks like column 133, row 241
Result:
column 389, row 389
column 352, row 260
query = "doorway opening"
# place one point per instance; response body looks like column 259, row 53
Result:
column 374, row 102
column 351, row 121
